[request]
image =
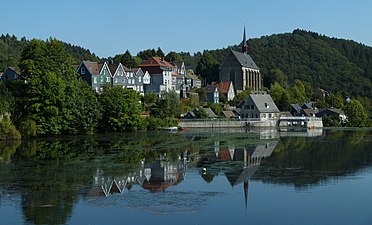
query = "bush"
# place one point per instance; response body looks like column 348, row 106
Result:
column 28, row 128
column 8, row 130
column 154, row 123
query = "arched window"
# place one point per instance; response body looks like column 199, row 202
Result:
column 232, row 76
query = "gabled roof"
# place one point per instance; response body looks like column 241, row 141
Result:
column 245, row 60
column 14, row 69
column 155, row 62
column 296, row 107
column 210, row 88
column 192, row 76
column 228, row 114
column 224, row 86
column 264, row 103
column 113, row 68
column 210, row 112
column 92, row 67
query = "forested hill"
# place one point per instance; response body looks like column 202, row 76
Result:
column 11, row 48
column 337, row 65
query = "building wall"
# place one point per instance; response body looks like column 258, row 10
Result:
column 231, row 70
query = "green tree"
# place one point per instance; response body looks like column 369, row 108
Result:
column 284, row 102
column 7, row 99
column 335, row 101
column 208, row 67
column 121, row 109
column 275, row 75
column 173, row 57
column 167, row 106
column 126, row 59
column 148, row 100
column 357, row 116
column 276, row 92
column 243, row 96
column 217, row 109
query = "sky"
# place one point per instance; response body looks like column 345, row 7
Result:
column 111, row 27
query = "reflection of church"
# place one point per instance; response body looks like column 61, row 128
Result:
column 250, row 157
column 156, row 176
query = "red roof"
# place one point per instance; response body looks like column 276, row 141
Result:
column 155, row 62
column 224, row 87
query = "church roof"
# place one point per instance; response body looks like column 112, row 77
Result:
column 245, row 60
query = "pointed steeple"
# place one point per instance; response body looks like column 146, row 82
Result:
column 244, row 44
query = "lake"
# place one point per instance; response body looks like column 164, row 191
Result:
column 190, row 177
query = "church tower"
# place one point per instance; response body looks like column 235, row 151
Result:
column 244, row 44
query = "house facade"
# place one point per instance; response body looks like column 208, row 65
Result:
column 259, row 106
column 239, row 68
column 212, row 93
column 227, row 89
column 10, row 74
column 100, row 75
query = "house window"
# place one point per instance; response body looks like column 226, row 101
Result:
column 139, row 79
column 95, row 80
column 116, row 80
column 82, row 70
column 107, row 79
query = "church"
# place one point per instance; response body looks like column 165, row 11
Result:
column 240, row 68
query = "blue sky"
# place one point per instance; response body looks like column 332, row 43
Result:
column 108, row 28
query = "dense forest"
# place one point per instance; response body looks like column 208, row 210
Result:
column 336, row 65
column 11, row 50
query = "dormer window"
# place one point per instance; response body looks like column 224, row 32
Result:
column 82, row 70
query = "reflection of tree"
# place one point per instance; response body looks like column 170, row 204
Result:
column 317, row 159
column 7, row 149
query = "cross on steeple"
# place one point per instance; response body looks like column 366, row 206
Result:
column 244, row 44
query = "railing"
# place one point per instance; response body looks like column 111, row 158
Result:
column 300, row 118
column 221, row 120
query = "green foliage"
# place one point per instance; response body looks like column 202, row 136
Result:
column 7, row 100
column 53, row 97
column 335, row 101
column 284, row 103
column 275, row 75
column 217, row 108
column 332, row 121
column 127, row 60
column 28, row 128
column 357, row 116
column 8, row 131
column 173, row 57
column 208, row 67
column 202, row 94
column 154, row 123
column 276, row 92
column 11, row 50
column 149, row 99
column 121, row 110
column 298, row 93
column 243, row 96
column 167, row 106
column 201, row 113
column 148, row 53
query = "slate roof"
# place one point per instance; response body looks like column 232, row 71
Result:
column 113, row 68
column 228, row 114
column 260, row 100
column 296, row 107
column 192, row 76
column 93, row 67
column 210, row 112
column 210, row 89
column 245, row 60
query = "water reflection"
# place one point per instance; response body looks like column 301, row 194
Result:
column 51, row 176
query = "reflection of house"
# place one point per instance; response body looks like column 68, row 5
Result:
column 251, row 157
column 156, row 176
column 259, row 106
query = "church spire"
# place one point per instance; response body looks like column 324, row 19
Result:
column 244, row 44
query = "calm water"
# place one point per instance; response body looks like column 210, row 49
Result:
column 192, row 177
